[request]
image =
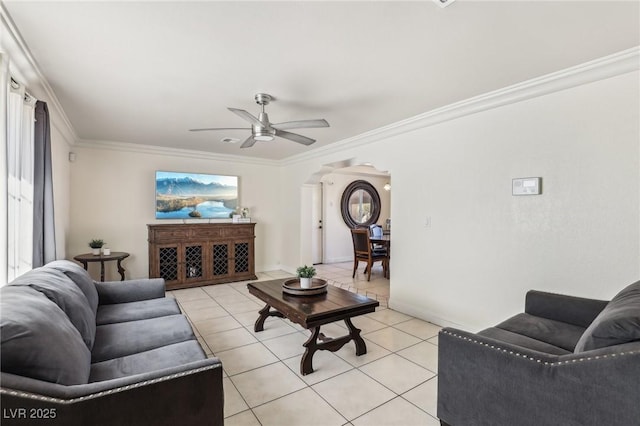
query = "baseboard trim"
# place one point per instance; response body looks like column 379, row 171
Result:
column 419, row 312
column 337, row 260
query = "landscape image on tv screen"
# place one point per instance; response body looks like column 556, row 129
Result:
column 195, row 195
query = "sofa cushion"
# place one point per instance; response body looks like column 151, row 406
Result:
column 555, row 333
column 523, row 341
column 38, row 340
column 619, row 322
column 134, row 311
column 143, row 362
column 126, row 338
column 80, row 277
column 65, row 293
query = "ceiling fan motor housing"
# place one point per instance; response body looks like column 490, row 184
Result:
column 264, row 132
column 263, row 99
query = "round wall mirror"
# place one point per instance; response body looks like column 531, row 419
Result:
column 360, row 204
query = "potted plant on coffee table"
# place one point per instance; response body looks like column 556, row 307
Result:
column 305, row 274
column 96, row 245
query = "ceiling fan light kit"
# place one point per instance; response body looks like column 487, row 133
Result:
column 263, row 130
column 260, row 134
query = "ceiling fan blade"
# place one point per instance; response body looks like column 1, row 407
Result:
column 301, row 124
column 219, row 128
column 247, row 116
column 248, row 143
column 295, row 137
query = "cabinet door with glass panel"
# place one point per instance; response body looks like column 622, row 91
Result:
column 232, row 258
column 178, row 263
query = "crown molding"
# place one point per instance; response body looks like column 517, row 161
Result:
column 173, row 152
column 23, row 64
column 374, row 173
column 26, row 68
column 599, row 69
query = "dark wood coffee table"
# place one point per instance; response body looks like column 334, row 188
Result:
column 311, row 312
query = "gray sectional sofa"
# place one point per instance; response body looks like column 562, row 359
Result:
column 79, row 352
column 565, row 361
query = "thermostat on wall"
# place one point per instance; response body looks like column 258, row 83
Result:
column 526, row 186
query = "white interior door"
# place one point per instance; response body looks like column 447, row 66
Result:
column 316, row 224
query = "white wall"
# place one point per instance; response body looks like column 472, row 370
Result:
column 113, row 198
column 485, row 248
column 337, row 237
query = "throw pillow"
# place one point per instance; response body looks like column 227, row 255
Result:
column 59, row 288
column 80, row 277
column 619, row 322
column 38, row 340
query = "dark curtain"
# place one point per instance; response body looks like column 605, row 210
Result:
column 44, row 238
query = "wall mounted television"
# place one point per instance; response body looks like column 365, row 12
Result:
column 195, row 195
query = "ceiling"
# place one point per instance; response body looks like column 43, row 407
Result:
column 146, row 72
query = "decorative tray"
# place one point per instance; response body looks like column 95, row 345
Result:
column 292, row 287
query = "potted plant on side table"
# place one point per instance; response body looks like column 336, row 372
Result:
column 306, row 273
column 96, row 245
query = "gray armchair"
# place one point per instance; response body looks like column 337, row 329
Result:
column 565, row 361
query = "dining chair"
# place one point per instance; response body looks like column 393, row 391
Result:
column 363, row 252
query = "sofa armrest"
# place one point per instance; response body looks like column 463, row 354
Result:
column 559, row 307
column 111, row 292
column 482, row 381
column 191, row 394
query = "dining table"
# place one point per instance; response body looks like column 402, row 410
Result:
column 384, row 240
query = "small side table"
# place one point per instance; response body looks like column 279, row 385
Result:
column 86, row 258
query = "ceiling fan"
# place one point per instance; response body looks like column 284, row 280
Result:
column 263, row 130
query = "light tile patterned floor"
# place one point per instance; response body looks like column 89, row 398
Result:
column 394, row 383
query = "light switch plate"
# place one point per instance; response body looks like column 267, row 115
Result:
column 526, row 186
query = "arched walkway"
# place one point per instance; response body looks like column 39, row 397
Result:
column 337, row 251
